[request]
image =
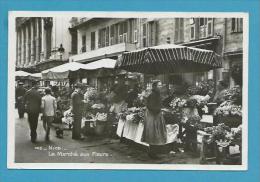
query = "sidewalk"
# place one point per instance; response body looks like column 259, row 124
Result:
column 90, row 150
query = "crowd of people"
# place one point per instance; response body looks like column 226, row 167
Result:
column 31, row 102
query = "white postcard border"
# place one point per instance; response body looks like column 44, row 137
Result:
column 113, row 14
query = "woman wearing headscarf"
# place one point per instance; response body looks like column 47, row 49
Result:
column 154, row 124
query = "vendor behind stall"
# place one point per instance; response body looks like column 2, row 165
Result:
column 219, row 95
column 154, row 126
column 132, row 95
column 119, row 95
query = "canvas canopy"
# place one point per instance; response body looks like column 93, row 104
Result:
column 102, row 63
column 21, row 74
column 169, row 58
column 63, row 71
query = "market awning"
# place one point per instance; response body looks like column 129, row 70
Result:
column 21, row 74
column 62, row 71
column 102, row 63
column 169, row 58
column 101, row 68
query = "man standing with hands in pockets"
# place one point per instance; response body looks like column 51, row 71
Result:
column 49, row 107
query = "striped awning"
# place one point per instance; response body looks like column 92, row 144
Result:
column 169, row 58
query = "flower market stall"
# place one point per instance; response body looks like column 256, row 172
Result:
column 189, row 112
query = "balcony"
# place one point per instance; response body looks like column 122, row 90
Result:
column 110, row 51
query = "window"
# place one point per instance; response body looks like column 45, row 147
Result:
column 112, row 34
column 237, row 25
column 123, row 31
column 205, row 27
column 93, row 40
column 192, row 28
column 133, row 31
column 145, row 35
column 149, row 33
column 151, row 26
column 102, row 37
column 107, row 36
column 179, row 30
column 83, row 43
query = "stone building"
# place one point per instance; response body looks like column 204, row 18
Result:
column 96, row 38
column 41, row 42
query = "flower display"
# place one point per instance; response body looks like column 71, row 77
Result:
column 101, row 117
column 202, row 88
column 98, row 106
column 234, row 94
column 144, row 94
column 91, row 94
column 227, row 108
column 218, row 132
column 68, row 117
column 178, row 102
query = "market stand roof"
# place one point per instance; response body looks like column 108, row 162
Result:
column 25, row 75
column 169, row 58
column 102, row 63
column 63, row 71
column 22, row 73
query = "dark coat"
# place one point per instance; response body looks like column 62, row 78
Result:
column 154, row 102
column 33, row 101
column 19, row 92
column 77, row 103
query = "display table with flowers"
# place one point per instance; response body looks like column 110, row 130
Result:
column 221, row 144
column 230, row 110
column 131, row 126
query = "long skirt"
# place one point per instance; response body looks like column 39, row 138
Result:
column 154, row 129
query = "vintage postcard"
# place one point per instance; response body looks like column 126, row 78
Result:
column 128, row 90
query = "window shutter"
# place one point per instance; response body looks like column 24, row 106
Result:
column 233, row 25
column 210, row 27
column 144, row 35
column 176, row 32
column 107, row 36
column 181, row 30
column 240, row 24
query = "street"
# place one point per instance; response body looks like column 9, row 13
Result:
column 90, row 150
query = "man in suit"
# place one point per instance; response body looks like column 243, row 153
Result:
column 19, row 97
column 77, row 109
column 33, row 101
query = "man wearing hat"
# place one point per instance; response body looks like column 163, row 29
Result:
column 77, row 109
column 19, row 97
column 33, row 101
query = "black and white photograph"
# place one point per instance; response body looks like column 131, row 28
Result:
column 127, row 90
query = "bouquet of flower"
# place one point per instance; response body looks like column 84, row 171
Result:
column 234, row 94
column 202, row 88
column 98, row 106
column 178, row 102
column 101, row 116
column 218, row 132
column 135, row 114
column 144, row 94
column 68, row 117
column 227, row 108
column 91, row 94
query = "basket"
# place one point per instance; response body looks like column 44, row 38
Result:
column 100, row 128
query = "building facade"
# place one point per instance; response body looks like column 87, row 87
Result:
column 41, row 42
column 97, row 38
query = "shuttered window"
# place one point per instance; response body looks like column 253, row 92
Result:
column 179, row 30
column 237, row 25
column 93, row 40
